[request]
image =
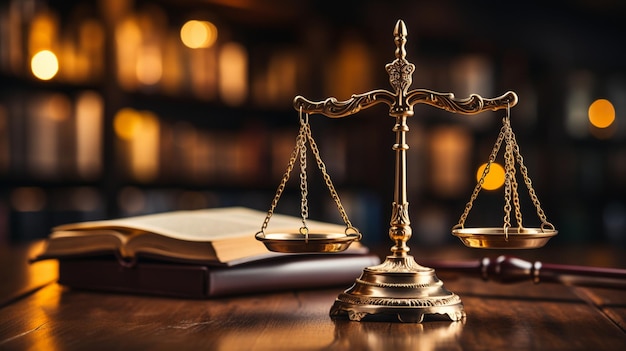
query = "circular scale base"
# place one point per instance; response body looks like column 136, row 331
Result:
column 398, row 290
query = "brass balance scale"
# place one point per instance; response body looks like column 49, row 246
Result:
column 400, row 289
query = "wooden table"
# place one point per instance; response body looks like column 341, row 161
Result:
column 38, row 314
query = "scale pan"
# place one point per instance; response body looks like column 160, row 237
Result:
column 496, row 238
column 298, row 243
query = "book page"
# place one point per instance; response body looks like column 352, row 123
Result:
column 74, row 243
column 207, row 224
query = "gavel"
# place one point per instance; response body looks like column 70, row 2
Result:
column 509, row 269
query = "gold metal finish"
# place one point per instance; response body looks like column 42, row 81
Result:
column 303, row 241
column 501, row 238
column 506, row 236
column 400, row 289
column 314, row 242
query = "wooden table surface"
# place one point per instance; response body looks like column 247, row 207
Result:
column 38, row 314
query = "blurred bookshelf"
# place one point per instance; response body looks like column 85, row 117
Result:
column 134, row 119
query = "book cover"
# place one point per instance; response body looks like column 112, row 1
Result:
column 152, row 277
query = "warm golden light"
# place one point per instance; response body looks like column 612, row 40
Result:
column 128, row 41
column 126, row 123
column 140, row 132
column 198, row 34
column 149, row 65
column 601, row 113
column 89, row 131
column 43, row 32
column 351, row 69
column 449, row 147
column 233, row 73
column 145, row 148
column 494, row 179
column 44, row 65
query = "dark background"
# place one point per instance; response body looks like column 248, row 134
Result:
column 558, row 56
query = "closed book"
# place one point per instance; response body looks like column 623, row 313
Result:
column 153, row 277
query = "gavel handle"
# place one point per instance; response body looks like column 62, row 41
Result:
column 508, row 269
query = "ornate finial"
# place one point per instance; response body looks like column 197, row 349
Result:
column 400, row 71
column 400, row 33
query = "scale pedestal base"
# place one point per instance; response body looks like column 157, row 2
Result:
column 399, row 289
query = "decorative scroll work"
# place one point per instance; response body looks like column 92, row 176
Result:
column 383, row 301
column 474, row 104
column 334, row 108
column 400, row 101
column 400, row 70
column 400, row 214
column 400, row 264
column 400, row 74
column 471, row 105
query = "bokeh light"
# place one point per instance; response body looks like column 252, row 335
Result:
column 494, row 179
column 44, row 65
column 233, row 73
column 126, row 123
column 139, row 130
column 601, row 113
column 149, row 65
column 198, row 34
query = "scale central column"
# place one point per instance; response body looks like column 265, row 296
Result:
column 399, row 289
column 400, row 231
column 400, row 78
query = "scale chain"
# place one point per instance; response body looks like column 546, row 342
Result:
column 516, row 202
column 511, row 155
column 511, row 187
column 481, row 181
column 283, row 181
column 328, row 181
column 527, row 180
column 300, row 150
column 304, row 206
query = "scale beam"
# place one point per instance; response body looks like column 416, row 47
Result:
column 474, row 104
column 401, row 101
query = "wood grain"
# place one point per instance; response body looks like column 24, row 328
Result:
column 519, row 316
column 17, row 276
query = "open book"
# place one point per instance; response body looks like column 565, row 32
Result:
column 210, row 236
